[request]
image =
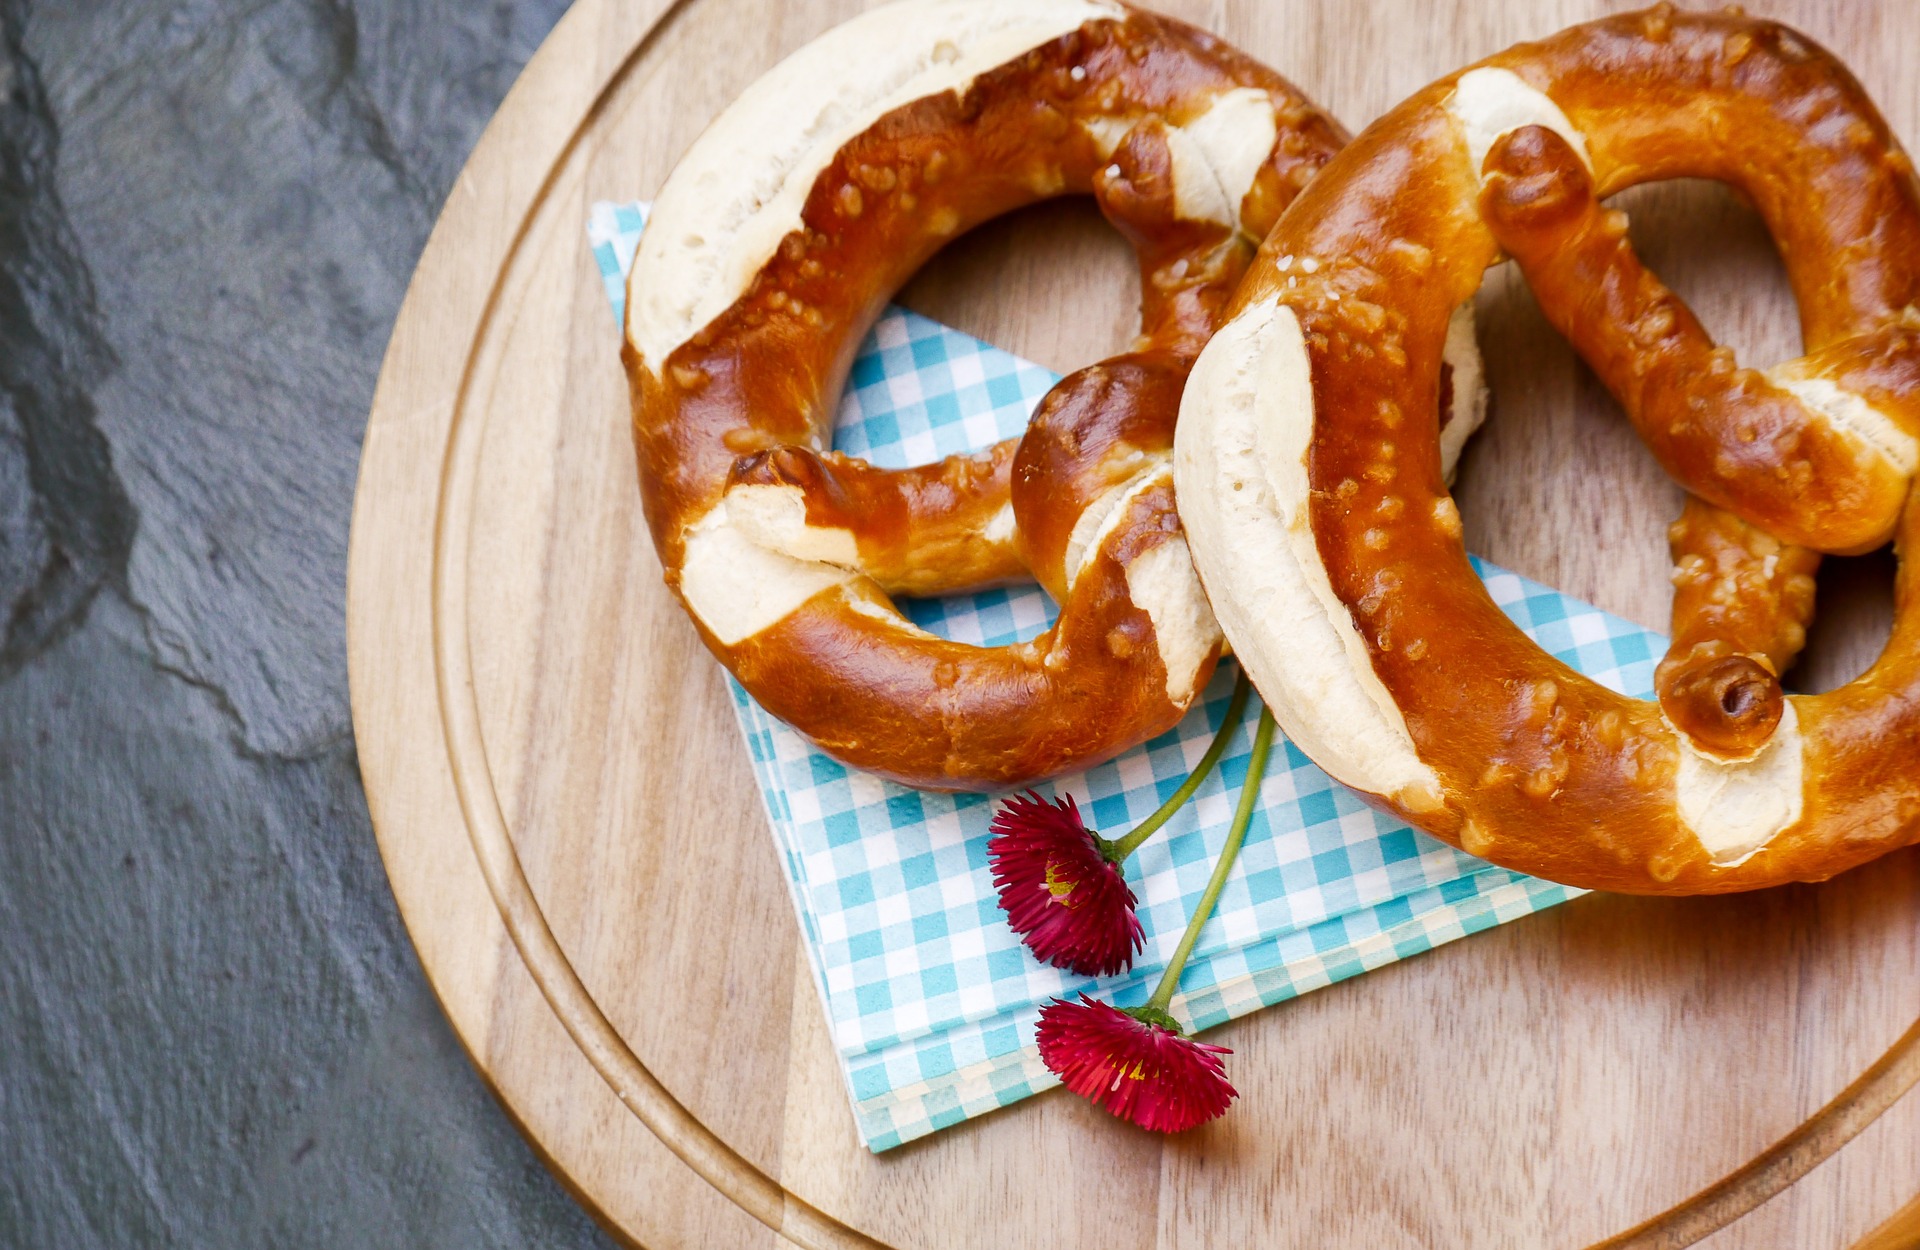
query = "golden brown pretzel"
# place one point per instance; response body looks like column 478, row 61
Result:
column 770, row 250
column 1309, row 475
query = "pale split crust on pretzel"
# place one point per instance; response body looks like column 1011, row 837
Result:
column 1240, row 464
column 742, row 187
column 1309, row 468
column 769, row 251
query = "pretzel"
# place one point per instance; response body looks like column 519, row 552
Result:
column 1308, row 468
column 780, row 236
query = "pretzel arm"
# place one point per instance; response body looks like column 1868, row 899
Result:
column 1097, row 431
column 1741, row 604
column 906, row 704
column 935, row 529
column 1729, row 434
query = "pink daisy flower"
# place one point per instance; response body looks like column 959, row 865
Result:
column 1060, row 888
column 1137, row 1064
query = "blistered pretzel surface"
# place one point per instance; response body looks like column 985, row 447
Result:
column 1308, row 462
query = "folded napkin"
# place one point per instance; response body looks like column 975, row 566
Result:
column 931, row 998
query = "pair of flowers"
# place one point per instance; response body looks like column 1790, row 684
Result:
column 1065, row 893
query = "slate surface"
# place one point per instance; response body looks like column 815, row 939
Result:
column 213, row 1031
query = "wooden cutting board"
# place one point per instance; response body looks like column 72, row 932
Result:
column 575, row 841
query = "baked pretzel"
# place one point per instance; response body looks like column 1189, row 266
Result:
column 1308, row 465
column 770, row 250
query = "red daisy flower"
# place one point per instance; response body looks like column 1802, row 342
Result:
column 1062, row 893
column 1137, row 1064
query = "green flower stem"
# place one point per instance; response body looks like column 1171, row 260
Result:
column 1242, row 817
column 1117, row 850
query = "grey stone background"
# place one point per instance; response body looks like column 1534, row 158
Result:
column 213, row 1030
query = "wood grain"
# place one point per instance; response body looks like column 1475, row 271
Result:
column 517, row 667
column 1900, row 1232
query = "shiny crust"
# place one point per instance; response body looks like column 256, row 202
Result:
column 1742, row 601
column 748, row 400
column 1541, row 769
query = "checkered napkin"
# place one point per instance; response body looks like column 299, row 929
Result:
column 930, row 997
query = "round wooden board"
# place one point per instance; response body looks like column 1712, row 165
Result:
column 547, row 748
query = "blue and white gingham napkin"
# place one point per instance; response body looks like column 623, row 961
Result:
column 930, row 997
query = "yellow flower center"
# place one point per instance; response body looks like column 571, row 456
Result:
column 1058, row 886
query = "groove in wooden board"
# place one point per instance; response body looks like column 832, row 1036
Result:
column 616, row 852
column 456, row 682
column 1787, row 1160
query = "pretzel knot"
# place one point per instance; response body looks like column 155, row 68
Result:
column 1310, row 480
column 771, row 248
